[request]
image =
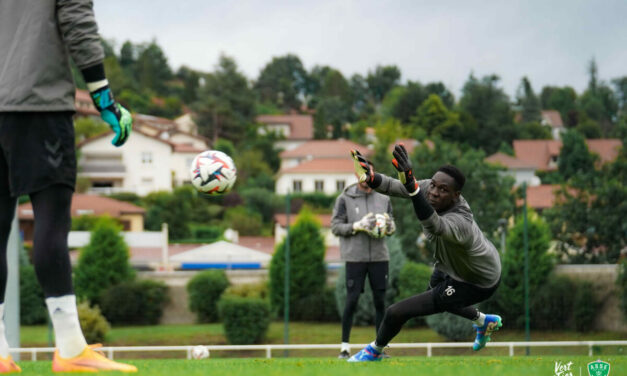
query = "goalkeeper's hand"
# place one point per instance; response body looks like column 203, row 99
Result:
column 366, row 223
column 402, row 164
column 118, row 117
column 390, row 226
column 363, row 167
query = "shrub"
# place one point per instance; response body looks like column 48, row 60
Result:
column 204, row 290
column 412, row 280
column 104, row 262
column 246, row 222
column 246, row 320
column 509, row 298
column 453, row 327
column 552, row 306
column 317, row 307
column 143, row 302
column 95, row 327
column 307, row 268
column 208, row 234
column 248, row 290
column 621, row 282
column 365, row 313
column 32, row 304
column 585, row 307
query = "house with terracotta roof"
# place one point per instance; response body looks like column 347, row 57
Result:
column 130, row 216
column 521, row 171
column 84, row 105
column 553, row 119
column 297, row 129
column 318, row 166
column 150, row 160
column 544, row 154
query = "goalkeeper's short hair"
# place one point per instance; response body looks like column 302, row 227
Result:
column 456, row 174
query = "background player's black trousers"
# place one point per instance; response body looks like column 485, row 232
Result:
column 444, row 294
column 51, row 207
column 356, row 273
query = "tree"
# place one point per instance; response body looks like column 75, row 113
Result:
column 402, row 102
column 432, row 115
column 307, row 269
column 489, row 107
column 104, row 262
column 510, row 295
column 533, row 131
column 575, row 158
column 528, row 102
column 363, row 105
column 562, row 99
column 152, row 68
column 85, row 128
column 333, row 112
column 191, row 83
column 225, row 106
column 598, row 101
column 382, row 80
column 282, row 82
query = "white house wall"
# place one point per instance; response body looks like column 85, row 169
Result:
column 181, row 163
column 285, row 182
column 139, row 177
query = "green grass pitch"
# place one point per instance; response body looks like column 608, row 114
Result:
column 400, row 366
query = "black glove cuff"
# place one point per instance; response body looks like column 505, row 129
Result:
column 94, row 73
column 376, row 181
column 421, row 206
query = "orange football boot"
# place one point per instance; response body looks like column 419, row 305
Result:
column 88, row 361
column 7, row 365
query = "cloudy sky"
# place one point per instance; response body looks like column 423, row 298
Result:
column 550, row 41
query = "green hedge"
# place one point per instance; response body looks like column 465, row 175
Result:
column 204, row 290
column 319, row 307
column 95, row 327
column 453, row 327
column 621, row 282
column 246, row 320
column 143, row 302
column 32, row 304
column 412, row 280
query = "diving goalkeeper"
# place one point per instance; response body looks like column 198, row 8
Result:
column 467, row 265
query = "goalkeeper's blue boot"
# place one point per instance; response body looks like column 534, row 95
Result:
column 492, row 323
column 368, row 354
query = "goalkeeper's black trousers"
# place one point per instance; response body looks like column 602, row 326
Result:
column 445, row 294
column 51, row 209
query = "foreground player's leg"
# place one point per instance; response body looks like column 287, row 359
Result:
column 7, row 211
column 51, row 208
column 395, row 317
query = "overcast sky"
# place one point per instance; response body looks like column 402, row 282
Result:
column 550, row 41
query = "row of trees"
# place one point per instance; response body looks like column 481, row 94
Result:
column 226, row 101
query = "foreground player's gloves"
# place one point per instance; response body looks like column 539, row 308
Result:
column 390, row 226
column 363, row 167
column 118, row 117
column 366, row 223
column 403, row 166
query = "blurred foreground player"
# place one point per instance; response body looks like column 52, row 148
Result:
column 37, row 154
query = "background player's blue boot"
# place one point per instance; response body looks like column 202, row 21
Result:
column 368, row 354
column 491, row 324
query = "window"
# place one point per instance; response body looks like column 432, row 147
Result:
column 340, row 185
column 146, row 157
column 147, row 181
column 297, row 185
column 319, row 184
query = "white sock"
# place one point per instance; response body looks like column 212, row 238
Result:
column 480, row 320
column 345, row 347
column 67, row 329
column 4, row 345
column 377, row 347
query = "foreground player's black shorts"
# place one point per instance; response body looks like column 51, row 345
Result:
column 36, row 151
column 449, row 293
column 356, row 273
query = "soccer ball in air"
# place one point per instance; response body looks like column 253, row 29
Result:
column 213, row 172
column 200, row 352
column 379, row 226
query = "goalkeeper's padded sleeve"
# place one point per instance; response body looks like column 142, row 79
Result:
column 421, row 207
column 376, row 181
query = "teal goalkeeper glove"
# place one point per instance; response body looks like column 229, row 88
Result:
column 118, row 117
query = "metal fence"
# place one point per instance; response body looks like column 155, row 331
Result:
column 111, row 351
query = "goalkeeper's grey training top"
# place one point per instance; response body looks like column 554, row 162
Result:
column 461, row 249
